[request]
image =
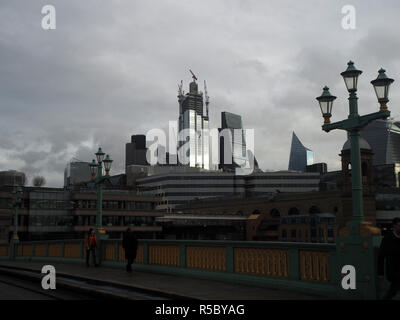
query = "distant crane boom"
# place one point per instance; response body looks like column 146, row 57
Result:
column 193, row 76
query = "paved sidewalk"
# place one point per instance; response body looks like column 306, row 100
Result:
column 183, row 286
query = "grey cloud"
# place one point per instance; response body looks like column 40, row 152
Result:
column 111, row 70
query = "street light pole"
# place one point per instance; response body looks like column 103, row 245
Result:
column 357, row 242
column 353, row 124
column 99, row 217
column 98, row 178
column 355, row 158
column 16, row 202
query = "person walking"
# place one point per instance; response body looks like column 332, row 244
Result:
column 130, row 245
column 91, row 245
column 390, row 252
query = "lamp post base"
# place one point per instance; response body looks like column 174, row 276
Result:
column 101, row 234
column 15, row 238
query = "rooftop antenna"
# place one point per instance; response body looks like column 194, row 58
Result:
column 180, row 90
column 207, row 97
column 193, row 76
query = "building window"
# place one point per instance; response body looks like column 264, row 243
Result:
column 321, row 235
column 293, row 235
column 293, row 211
column 364, row 169
column 314, row 210
column 275, row 213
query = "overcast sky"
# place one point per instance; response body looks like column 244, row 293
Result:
column 111, row 69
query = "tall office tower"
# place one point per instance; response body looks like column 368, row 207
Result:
column 300, row 156
column 135, row 151
column 191, row 116
column 236, row 146
column 77, row 172
column 12, row 178
column 384, row 138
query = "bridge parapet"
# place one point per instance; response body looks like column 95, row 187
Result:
column 295, row 266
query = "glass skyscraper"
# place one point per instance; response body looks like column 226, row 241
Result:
column 300, row 156
column 191, row 116
column 237, row 143
column 384, row 138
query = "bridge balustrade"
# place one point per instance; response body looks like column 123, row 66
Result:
column 295, row 266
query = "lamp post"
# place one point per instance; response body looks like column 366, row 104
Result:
column 96, row 169
column 15, row 204
column 353, row 124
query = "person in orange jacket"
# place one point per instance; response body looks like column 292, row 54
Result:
column 91, row 245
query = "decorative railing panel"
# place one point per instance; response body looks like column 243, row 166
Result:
column 265, row 262
column 208, row 258
column 164, row 255
column 314, row 266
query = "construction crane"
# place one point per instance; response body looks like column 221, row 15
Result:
column 193, row 76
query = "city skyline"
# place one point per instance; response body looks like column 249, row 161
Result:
column 108, row 73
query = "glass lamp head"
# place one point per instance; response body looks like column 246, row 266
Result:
column 326, row 103
column 381, row 85
column 100, row 155
column 350, row 77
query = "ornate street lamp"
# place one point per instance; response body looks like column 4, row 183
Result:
column 350, row 76
column 107, row 164
column 93, row 168
column 353, row 124
column 17, row 192
column 381, row 85
column 98, row 178
column 325, row 103
column 100, row 155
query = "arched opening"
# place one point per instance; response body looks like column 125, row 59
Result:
column 293, row 212
column 314, row 210
column 364, row 169
column 275, row 213
column 256, row 211
column 266, row 225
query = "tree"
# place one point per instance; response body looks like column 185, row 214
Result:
column 39, row 181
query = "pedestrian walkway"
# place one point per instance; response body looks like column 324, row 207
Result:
column 195, row 288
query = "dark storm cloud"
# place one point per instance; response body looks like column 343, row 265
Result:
column 111, row 70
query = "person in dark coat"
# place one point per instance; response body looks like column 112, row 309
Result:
column 130, row 245
column 91, row 245
column 390, row 252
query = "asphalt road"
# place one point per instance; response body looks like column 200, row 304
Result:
column 17, row 289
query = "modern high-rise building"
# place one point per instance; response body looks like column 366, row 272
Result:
column 12, row 178
column 234, row 143
column 192, row 117
column 175, row 188
column 384, row 138
column 135, row 151
column 300, row 156
column 77, row 172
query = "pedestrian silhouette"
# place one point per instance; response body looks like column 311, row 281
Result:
column 390, row 252
column 130, row 245
column 91, row 245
